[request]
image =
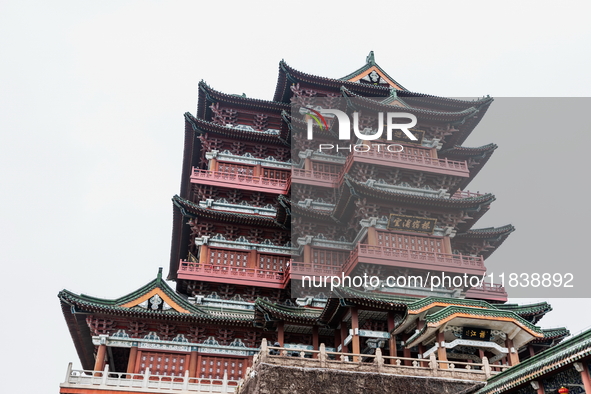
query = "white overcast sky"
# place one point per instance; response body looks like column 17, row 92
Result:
column 91, row 115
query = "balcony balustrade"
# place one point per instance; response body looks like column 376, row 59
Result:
column 490, row 292
column 417, row 259
column 299, row 269
column 314, row 178
column 408, row 161
column 240, row 181
column 233, row 275
column 92, row 382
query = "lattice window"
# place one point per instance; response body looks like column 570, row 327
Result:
column 214, row 367
column 168, row 364
column 401, row 241
column 272, row 262
column 275, row 174
column 329, row 257
column 233, row 258
column 235, row 169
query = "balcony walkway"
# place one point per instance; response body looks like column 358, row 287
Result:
column 408, row 258
column 245, row 182
column 91, row 382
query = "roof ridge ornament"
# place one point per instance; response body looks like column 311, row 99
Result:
column 370, row 59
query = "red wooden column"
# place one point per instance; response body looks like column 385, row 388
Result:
column 584, row 370
column 355, row 328
column 372, row 236
column 406, row 350
column 193, row 364
column 337, row 338
column 253, row 259
column 198, row 369
column 344, row 335
column 315, row 340
column 392, row 340
column 99, row 362
column 132, row 358
column 513, row 358
column 203, row 254
column 280, row 333
column 441, row 351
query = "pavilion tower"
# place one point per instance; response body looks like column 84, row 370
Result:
column 261, row 207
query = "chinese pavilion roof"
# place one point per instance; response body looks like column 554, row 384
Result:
column 370, row 66
column 208, row 95
column 267, row 312
column 201, row 126
column 190, row 209
column 353, row 189
column 563, row 354
column 494, row 236
column 478, row 155
column 173, row 306
column 421, row 113
column 289, row 76
column 154, row 301
column 484, row 318
column 531, row 312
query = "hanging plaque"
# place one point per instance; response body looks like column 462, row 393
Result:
column 414, row 224
column 478, row 334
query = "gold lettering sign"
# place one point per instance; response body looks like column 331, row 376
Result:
column 399, row 136
column 411, row 223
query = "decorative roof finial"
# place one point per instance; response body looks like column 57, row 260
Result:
column 370, row 59
column 159, row 277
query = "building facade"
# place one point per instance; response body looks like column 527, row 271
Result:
column 272, row 200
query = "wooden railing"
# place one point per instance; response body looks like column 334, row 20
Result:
column 244, row 181
column 232, row 274
column 405, row 160
column 146, row 382
column 322, row 178
column 442, row 260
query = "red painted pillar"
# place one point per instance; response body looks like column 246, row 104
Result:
column 99, row 362
column 441, row 351
column 392, row 340
column 344, row 335
column 355, row 327
column 280, row 333
column 315, row 340
column 406, row 350
column 132, row 357
column 193, row 364
column 584, row 370
column 513, row 357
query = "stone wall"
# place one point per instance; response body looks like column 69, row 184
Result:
column 290, row 378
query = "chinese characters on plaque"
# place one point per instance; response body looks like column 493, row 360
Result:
column 411, row 223
column 478, row 334
column 399, row 136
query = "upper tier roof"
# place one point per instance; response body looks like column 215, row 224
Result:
column 372, row 73
column 210, row 95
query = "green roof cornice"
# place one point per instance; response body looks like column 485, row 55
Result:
column 569, row 351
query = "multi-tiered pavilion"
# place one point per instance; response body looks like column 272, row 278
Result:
column 261, row 207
